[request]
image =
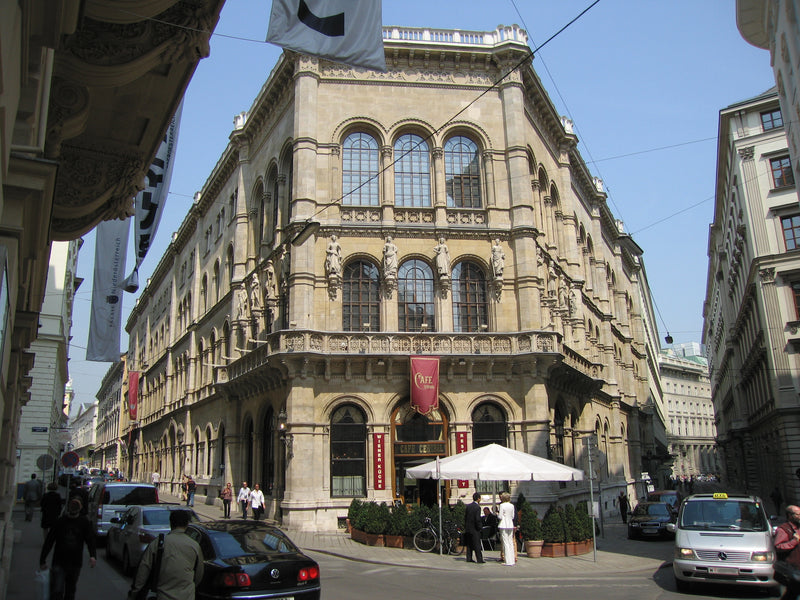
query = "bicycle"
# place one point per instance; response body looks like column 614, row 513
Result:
column 427, row 538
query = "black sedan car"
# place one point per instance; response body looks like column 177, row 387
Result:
column 252, row 560
column 649, row 519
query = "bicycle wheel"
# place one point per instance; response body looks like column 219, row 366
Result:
column 455, row 544
column 424, row 540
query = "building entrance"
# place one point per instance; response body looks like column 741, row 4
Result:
column 417, row 439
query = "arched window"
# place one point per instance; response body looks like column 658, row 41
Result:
column 268, row 453
column 488, row 427
column 360, row 297
column 216, row 282
column 462, row 173
column 470, row 305
column 221, row 450
column 415, row 296
column 348, row 452
column 198, row 454
column 412, row 172
column 360, row 170
column 209, row 470
column 249, row 456
column 557, row 450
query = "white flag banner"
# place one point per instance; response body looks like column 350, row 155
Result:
column 149, row 203
column 105, row 322
column 346, row 31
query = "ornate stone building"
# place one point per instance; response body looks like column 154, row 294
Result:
column 357, row 219
column 752, row 306
column 690, row 413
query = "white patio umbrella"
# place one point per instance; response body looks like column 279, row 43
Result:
column 496, row 463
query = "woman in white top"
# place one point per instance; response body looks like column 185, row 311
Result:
column 257, row 502
column 506, row 528
column 243, row 498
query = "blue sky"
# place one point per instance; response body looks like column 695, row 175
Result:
column 643, row 82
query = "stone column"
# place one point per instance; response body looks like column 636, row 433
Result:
column 755, row 201
column 387, row 187
column 774, row 322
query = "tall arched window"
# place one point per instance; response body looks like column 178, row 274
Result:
column 557, row 450
column 216, row 282
column 249, row 455
column 488, row 427
column 415, row 296
column 470, row 305
column 412, row 172
column 360, row 297
column 221, row 450
column 209, row 458
column 360, row 170
column 462, row 173
column 198, row 454
column 348, row 452
column 268, row 453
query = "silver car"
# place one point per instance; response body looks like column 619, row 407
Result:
column 129, row 535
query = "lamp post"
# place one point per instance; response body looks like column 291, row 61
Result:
column 286, row 437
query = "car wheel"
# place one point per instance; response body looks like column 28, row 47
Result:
column 109, row 555
column 127, row 568
column 630, row 534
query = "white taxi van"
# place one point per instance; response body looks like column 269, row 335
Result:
column 723, row 538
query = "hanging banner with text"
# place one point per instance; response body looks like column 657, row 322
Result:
column 379, row 461
column 461, row 446
column 133, row 394
column 424, row 384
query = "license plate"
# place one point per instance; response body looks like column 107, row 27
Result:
column 723, row 570
column 650, row 531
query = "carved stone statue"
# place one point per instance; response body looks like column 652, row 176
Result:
column 241, row 304
column 552, row 280
column 442, row 258
column 270, row 284
column 389, row 259
column 562, row 292
column 498, row 260
column 333, row 260
column 255, row 292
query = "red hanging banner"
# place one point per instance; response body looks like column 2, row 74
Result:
column 461, row 446
column 424, row 383
column 378, row 461
column 133, row 394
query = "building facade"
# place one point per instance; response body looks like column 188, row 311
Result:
column 358, row 219
column 43, row 416
column 109, row 449
column 751, row 317
column 690, row 412
column 774, row 25
column 83, row 427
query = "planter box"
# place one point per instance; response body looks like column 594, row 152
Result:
column 533, row 548
column 554, row 549
column 375, row 539
column 578, row 548
column 358, row 536
column 394, row 541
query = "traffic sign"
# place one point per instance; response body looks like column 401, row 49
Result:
column 45, row 462
column 70, row 459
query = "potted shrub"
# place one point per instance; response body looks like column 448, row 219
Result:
column 574, row 530
column 355, row 506
column 582, row 508
column 396, row 527
column 531, row 529
column 553, row 532
column 375, row 520
column 356, row 514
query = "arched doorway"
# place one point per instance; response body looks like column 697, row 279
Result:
column 416, row 439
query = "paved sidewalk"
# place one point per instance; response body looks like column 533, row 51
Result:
column 615, row 553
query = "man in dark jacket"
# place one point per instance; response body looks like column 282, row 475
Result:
column 472, row 529
column 69, row 534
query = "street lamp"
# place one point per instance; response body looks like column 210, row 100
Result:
column 286, row 437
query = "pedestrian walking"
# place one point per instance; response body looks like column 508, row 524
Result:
column 181, row 566
column 787, row 547
column 243, row 498
column 472, row 529
column 32, row 495
column 156, row 478
column 191, row 487
column 257, row 502
column 507, row 526
column 51, row 504
column 66, row 538
column 624, row 506
column 227, row 495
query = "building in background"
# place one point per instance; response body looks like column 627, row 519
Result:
column 109, row 449
column 43, row 415
column 774, row 25
column 690, row 411
column 354, row 222
column 752, row 304
column 83, row 426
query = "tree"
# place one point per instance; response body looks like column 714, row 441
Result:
column 553, row 525
column 529, row 524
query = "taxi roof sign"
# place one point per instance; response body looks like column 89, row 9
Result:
column 720, row 496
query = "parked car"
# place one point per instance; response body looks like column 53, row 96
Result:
column 671, row 497
column 129, row 535
column 723, row 538
column 649, row 519
column 253, row 560
column 108, row 499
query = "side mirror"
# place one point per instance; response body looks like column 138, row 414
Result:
column 671, row 527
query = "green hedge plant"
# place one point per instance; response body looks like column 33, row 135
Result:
column 553, row 525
